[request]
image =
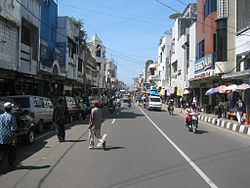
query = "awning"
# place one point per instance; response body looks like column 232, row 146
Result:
column 233, row 75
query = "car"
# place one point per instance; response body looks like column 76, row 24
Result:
column 125, row 98
column 25, row 126
column 154, row 102
column 38, row 107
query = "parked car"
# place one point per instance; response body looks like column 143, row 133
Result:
column 40, row 108
column 73, row 111
column 154, row 102
column 25, row 126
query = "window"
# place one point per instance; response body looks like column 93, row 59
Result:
column 243, row 15
column 80, row 65
column 98, row 51
column 209, row 7
column 25, row 35
column 221, row 40
column 174, row 66
column 200, row 50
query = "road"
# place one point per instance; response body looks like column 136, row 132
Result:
column 145, row 149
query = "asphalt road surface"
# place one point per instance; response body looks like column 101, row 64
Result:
column 145, row 149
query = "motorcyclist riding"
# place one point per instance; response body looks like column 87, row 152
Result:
column 170, row 106
column 191, row 108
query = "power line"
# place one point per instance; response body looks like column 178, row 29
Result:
column 118, row 22
column 196, row 20
column 114, row 16
column 203, row 14
column 119, row 11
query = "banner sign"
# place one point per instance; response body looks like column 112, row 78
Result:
column 204, row 67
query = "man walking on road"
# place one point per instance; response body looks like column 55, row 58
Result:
column 58, row 117
column 95, row 123
column 8, row 134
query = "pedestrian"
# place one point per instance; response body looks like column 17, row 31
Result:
column 95, row 123
column 8, row 134
column 225, row 108
column 58, row 119
column 220, row 109
column 239, row 106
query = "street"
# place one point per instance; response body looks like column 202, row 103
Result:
column 144, row 149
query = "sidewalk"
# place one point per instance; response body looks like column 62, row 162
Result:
column 214, row 121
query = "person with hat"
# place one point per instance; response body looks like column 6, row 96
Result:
column 8, row 128
column 95, row 123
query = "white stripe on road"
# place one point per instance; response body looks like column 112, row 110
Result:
column 195, row 167
column 113, row 121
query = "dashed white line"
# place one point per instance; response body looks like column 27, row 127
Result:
column 113, row 121
column 195, row 167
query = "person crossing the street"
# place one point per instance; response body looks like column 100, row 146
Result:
column 95, row 123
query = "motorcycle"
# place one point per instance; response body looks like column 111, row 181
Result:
column 111, row 109
column 129, row 104
column 144, row 104
column 171, row 109
column 193, row 123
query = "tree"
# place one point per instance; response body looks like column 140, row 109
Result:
column 82, row 32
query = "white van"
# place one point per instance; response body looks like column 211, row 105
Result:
column 40, row 108
column 154, row 102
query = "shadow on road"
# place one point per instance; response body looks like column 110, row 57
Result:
column 75, row 140
column 201, row 131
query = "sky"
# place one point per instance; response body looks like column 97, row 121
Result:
column 129, row 29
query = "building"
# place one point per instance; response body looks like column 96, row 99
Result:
column 10, row 23
column 20, row 53
column 180, row 48
column 67, row 43
column 163, row 61
column 49, row 73
column 98, row 51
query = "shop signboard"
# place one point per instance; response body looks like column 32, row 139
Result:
column 204, row 67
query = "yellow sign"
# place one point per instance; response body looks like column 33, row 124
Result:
column 179, row 92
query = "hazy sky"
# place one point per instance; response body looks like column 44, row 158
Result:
column 130, row 29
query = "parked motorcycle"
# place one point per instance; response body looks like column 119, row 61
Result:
column 193, row 123
column 144, row 104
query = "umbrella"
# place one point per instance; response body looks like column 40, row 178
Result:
column 243, row 86
column 211, row 91
column 232, row 87
column 186, row 92
column 222, row 89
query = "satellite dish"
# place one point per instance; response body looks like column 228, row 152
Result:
column 175, row 15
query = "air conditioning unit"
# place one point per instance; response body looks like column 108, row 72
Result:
column 221, row 67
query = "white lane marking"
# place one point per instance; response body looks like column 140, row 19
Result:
column 103, row 139
column 113, row 121
column 195, row 167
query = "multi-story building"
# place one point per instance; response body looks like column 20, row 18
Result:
column 98, row 52
column 110, row 74
column 239, row 10
column 49, row 72
column 10, row 23
column 163, row 61
column 180, row 50
column 67, row 43
column 20, row 44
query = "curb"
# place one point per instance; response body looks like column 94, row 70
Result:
column 223, row 123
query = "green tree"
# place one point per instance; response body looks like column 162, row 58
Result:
column 82, row 32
